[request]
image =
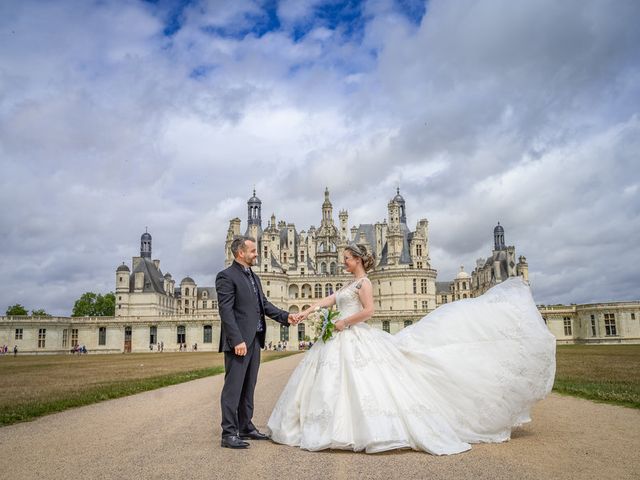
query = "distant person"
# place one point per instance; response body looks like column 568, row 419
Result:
column 15, row 350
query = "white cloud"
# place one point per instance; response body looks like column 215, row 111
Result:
column 479, row 113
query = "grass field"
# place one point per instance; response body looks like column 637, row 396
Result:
column 36, row 385
column 605, row 373
column 32, row 386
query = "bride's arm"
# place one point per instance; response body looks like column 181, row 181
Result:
column 366, row 298
column 325, row 302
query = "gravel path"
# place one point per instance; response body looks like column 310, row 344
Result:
column 174, row 432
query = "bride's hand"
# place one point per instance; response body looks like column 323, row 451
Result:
column 302, row 316
column 340, row 325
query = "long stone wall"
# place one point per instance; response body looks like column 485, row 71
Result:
column 603, row 323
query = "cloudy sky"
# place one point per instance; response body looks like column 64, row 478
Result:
column 121, row 115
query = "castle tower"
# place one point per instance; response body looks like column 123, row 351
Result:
column 122, row 279
column 327, row 209
column 498, row 237
column 522, row 268
column 188, row 294
column 145, row 245
column 122, row 290
column 254, row 220
column 232, row 232
column 399, row 199
column 344, row 229
column 394, row 233
column 327, row 238
column 254, row 208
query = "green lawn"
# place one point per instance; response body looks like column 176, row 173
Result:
column 36, row 385
column 605, row 373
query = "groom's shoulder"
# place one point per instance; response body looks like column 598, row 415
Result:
column 226, row 273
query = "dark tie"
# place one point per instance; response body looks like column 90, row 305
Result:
column 249, row 274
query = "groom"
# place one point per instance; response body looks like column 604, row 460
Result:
column 242, row 306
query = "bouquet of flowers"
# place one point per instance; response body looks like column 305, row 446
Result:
column 322, row 323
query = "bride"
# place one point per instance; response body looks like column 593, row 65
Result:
column 466, row 373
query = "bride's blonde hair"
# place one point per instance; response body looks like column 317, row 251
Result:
column 361, row 252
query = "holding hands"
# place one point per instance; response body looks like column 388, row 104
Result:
column 295, row 318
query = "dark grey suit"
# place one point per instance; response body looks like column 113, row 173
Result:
column 240, row 314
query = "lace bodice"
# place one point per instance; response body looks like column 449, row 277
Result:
column 347, row 298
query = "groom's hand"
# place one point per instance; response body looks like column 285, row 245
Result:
column 293, row 319
column 240, row 349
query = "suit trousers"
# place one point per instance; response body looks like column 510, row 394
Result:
column 241, row 375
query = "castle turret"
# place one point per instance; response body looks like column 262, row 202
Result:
column 188, row 294
column 522, row 268
column 399, row 199
column 122, row 279
column 254, row 220
column 254, row 208
column 327, row 209
column 344, row 229
column 394, row 233
column 232, row 232
column 498, row 237
column 122, row 290
column 145, row 245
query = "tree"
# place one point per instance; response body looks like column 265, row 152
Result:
column 16, row 310
column 39, row 313
column 95, row 305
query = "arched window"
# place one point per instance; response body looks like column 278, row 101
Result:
column 332, row 268
column 317, row 291
column 407, row 323
column 301, row 332
column 385, row 325
column 186, row 291
column 328, row 289
column 323, row 267
column 294, row 309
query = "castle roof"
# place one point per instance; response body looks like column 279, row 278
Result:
column 153, row 278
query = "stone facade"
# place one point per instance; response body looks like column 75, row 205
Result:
column 614, row 322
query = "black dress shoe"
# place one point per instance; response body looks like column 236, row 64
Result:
column 233, row 441
column 254, row 435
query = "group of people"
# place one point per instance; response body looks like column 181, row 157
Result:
column 276, row 347
column 79, row 349
column 4, row 350
column 466, row 373
column 182, row 347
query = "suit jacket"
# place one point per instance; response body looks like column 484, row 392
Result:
column 239, row 310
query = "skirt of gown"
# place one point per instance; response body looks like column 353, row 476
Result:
column 467, row 372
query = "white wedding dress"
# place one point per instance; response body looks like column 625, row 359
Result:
column 468, row 372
